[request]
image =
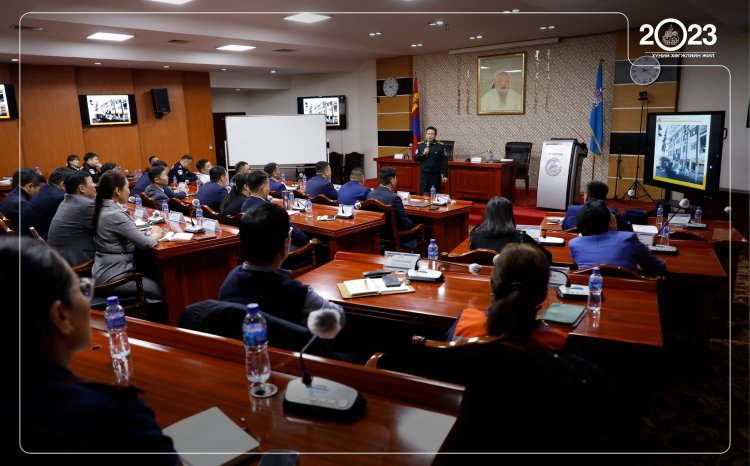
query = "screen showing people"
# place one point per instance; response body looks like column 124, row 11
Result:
column 108, row 109
column 681, row 149
column 328, row 106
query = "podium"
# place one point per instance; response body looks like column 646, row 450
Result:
column 559, row 173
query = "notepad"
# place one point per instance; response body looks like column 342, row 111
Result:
column 564, row 314
column 172, row 236
column 370, row 287
column 210, row 431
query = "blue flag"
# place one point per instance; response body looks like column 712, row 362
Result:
column 596, row 125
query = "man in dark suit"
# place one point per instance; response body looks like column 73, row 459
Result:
column 25, row 184
column 321, row 182
column 354, row 191
column 144, row 181
column 273, row 172
column 594, row 190
column 92, row 165
column 40, row 210
column 433, row 162
column 212, row 194
column 71, row 230
column 181, row 170
column 159, row 181
column 386, row 194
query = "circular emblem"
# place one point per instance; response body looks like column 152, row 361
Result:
column 553, row 167
column 179, row 172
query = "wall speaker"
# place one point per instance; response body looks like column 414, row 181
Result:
column 161, row 101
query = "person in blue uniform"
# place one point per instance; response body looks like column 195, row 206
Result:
column 594, row 190
column 144, row 181
column 433, row 162
column 273, row 171
column 60, row 411
column 24, row 186
column 386, row 194
column 354, row 191
column 212, row 194
column 40, row 210
column 181, row 170
column 92, row 165
column 321, row 182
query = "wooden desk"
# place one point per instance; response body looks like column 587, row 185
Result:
column 449, row 224
column 183, row 372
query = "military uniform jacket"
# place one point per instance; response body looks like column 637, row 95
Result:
column 182, row 174
column 435, row 162
column 95, row 174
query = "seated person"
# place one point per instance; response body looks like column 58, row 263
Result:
column 70, row 231
column 354, row 191
column 144, row 181
column 386, row 194
column 108, row 166
column 274, row 173
column 498, row 228
column 239, row 168
column 61, row 412
column 204, row 167
column 92, row 165
column 599, row 244
column 38, row 212
column 259, row 188
column 213, row 193
column 73, row 162
column 519, row 287
column 24, row 186
column 321, row 182
column 232, row 204
column 116, row 236
column 265, row 237
column 158, row 177
column 594, row 190
column 181, row 170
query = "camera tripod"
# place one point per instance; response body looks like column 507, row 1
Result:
column 643, row 98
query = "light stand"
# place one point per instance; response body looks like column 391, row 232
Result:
column 643, row 98
column 617, row 173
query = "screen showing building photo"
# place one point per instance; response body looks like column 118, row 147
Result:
column 681, row 149
column 328, row 106
column 4, row 108
column 108, row 109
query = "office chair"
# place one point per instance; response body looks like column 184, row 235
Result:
column 521, row 153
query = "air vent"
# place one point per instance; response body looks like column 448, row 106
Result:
column 179, row 41
column 16, row 27
column 284, row 50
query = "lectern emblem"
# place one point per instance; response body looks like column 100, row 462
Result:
column 553, row 167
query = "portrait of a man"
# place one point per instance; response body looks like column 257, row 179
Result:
column 501, row 84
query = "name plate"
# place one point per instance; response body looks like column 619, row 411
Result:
column 398, row 156
column 176, row 217
column 210, row 224
column 476, row 160
column 139, row 212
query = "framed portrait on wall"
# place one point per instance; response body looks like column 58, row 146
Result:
column 501, row 84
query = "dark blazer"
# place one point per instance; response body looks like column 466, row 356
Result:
column 352, row 192
column 13, row 204
column 71, row 230
column 615, row 248
column 299, row 239
column 143, row 182
column 434, row 162
column 386, row 196
column 212, row 194
column 276, row 186
column 234, row 207
column 573, row 210
column 319, row 185
column 181, row 174
column 40, row 210
column 95, row 173
column 479, row 240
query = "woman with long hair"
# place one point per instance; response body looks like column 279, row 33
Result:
column 116, row 237
column 240, row 191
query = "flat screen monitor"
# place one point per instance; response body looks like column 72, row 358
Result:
column 8, row 107
column 683, row 151
column 333, row 107
column 107, row 109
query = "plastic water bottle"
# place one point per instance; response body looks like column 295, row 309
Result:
column 174, row 181
column 283, row 177
column 197, row 184
column 119, row 347
column 432, row 250
column 37, row 170
column 255, row 338
column 698, row 214
column 291, row 200
column 165, row 209
column 308, row 208
column 665, row 235
column 199, row 215
column 410, row 155
column 304, row 183
column 138, row 202
column 595, row 291
column 659, row 216
column 433, row 194
column 138, row 173
column 119, row 168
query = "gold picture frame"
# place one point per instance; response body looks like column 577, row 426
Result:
column 501, row 84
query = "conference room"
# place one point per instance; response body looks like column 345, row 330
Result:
column 359, row 90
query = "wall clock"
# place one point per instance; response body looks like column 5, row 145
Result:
column 390, row 87
column 645, row 70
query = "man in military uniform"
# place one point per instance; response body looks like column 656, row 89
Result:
column 181, row 170
column 433, row 161
column 92, row 165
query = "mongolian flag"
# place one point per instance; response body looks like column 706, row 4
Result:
column 415, row 125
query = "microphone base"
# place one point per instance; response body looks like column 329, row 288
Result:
column 573, row 292
column 324, row 399
column 661, row 249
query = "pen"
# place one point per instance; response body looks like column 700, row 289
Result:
column 367, row 284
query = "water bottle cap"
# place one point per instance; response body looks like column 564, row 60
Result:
column 432, row 241
column 113, row 301
column 596, row 270
column 252, row 308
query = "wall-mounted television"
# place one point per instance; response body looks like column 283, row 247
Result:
column 107, row 109
column 332, row 106
column 8, row 107
column 683, row 151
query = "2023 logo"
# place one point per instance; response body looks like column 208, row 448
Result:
column 673, row 39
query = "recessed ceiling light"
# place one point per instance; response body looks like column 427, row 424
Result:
column 273, row 71
column 376, row 33
column 542, row 27
column 515, row 10
column 223, row 69
column 110, row 36
column 14, row 59
column 416, row 45
column 235, row 48
column 173, row 2
column 165, row 66
column 306, row 17
column 97, row 63
column 475, row 37
column 551, row 27
column 237, row 90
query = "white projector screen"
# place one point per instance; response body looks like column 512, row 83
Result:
column 284, row 139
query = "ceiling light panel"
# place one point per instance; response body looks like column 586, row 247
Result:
column 110, row 36
column 307, row 18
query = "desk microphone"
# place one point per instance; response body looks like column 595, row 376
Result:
column 315, row 396
column 475, row 268
column 567, row 291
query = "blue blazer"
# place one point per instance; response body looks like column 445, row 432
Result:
column 276, row 186
column 181, row 174
column 319, row 185
column 212, row 194
column 572, row 214
column 40, row 210
column 143, row 182
column 352, row 192
column 299, row 239
column 615, row 248
column 13, row 205
column 386, row 196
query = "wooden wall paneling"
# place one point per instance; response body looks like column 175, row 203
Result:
column 10, row 155
column 397, row 67
column 118, row 144
column 399, row 103
column 627, row 166
column 394, row 121
column 167, row 137
column 51, row 120
column 388, row 151
column 627, row 119
column 198, row 116
column 659, row 95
